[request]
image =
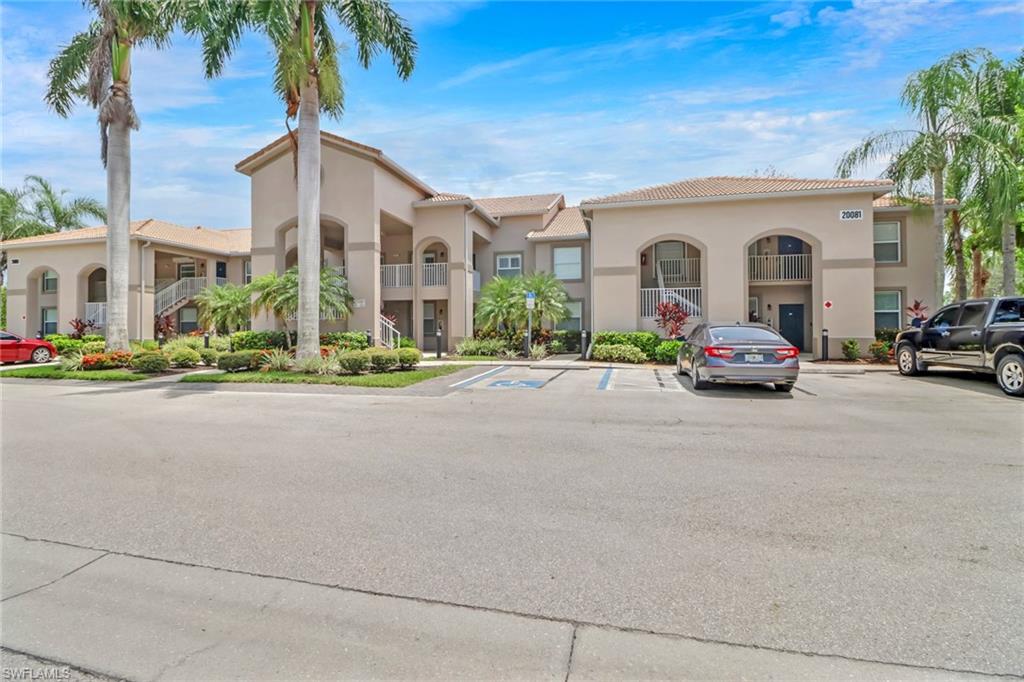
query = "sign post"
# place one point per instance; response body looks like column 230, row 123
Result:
column 531, row 302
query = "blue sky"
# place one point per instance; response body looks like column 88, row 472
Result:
column 515, row 97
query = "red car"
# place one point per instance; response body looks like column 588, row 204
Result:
column 14, row 348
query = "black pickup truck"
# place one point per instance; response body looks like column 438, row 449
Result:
column 985, row 334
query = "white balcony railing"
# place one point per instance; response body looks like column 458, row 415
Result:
column 680, row 270
column 396, row 276
column 221, row 281
column 435, row 274
column 476, row 280
column 782, row 268
column 182, row 290
column 97, row 313
column 687, row 298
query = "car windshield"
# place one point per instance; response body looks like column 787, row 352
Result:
column 741, row 333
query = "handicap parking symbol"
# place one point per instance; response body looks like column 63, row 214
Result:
column 517, row 383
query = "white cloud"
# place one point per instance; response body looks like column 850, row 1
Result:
column 794, row 17
column 869, row 27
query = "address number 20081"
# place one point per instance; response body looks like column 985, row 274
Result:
column 851, row 214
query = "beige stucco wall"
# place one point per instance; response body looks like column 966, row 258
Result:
column 914, row 274
column 842, row 257
column 577, row 289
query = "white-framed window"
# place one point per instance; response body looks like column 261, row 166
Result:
column 888, row 309
column 568, row 262
column 49, row 321
column 247, row 272
column 887, row 242
column 186, row 270
column 49, row 283
column 188, row 320
column 509, row 264
column 575, row 320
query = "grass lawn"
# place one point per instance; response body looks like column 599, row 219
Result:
column 58, row 373
column 398, row 379
column 473, row 358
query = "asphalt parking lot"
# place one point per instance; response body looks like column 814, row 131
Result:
column 863, row 520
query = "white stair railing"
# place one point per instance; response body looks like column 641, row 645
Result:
column 182, row 290
column 687, row 298
column 389, row 335
column 396, row 276
column 780, row 268
column 97, row 313
column 680, row 270
column 435, row 274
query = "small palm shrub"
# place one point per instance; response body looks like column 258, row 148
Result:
column 851, row 349
column 318, row 365
column 538, row 351
column 509, row 354
column 209, row 356
column 151, row 362
column 276, row 360
column 618, row 352
column 93, row 347
column 72, row 362
column 879, row 350
column 488, row 347
column 185, row 357
column 666, row 352
column 409, row 357
column 353, row 361
column 382, row 360
column 238, row 361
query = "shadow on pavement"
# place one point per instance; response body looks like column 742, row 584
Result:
column 975, row 382
column 734, row 391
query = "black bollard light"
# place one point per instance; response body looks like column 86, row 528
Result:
column 437, row 345
column 206, row 339
column 160, row 339
column 824, row 345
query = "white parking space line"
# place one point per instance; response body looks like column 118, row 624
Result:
column 478, row 377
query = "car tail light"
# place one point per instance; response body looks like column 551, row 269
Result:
column 786, row 353
column 718, row 352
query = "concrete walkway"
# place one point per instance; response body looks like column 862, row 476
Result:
column 105, row 613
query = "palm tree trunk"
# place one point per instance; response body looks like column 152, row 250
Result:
column 1009, row 257
column 938, row 227
column 309, row 222
column 959, row 266
column 119, row 170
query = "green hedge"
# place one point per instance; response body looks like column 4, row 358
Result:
column 382, row 360
column 353, row 361
column 645, row 341
column 568, row 338
column 409, row 357
column 345, row 340
column 238, row 360
column 185, row 357
column 886, row 334
column 618, row 352
column 65, row 345
column 667, row 352
column 151, row 362
column 89, row 347
column 249, row 340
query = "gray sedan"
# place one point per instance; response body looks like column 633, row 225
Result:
column 738, row 353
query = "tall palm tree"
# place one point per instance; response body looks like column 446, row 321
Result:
column 931, row 96
column 96, row 64
column 278, row 295
column 225, row 307
column 50, row 209
column 308, row 79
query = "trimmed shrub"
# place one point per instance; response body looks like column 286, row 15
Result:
column 185, row 357
column 209, row 356
column 139, row 346
column 86, row 338
column 93, row 347
column 276, row 360
column 851, row 349
column 488, row 347
column 65, row 345
column 407, row 342
column 353, row 361
column 97, row 361
column 618, row 352
column 265, row 340
column 886, row 334
column 645, row 341
column 382, row 360
column 238, row 361
column 121, row 358
column 409, row 357
column 186, row 342
column 345, row 340
column 667, row 351
column 151, row 362
column 879, row 350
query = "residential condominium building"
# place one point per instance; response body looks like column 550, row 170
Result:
column 800, row 255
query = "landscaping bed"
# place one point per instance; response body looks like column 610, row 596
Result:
column 397, row 379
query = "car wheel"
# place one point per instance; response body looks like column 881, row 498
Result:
column 784, row 388
column 40, row 355
column 698, row 383
column 1010, row 374
column 906, row 361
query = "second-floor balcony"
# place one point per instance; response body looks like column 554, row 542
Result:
column 435, row 275
column 396, row 276
column 795, row 267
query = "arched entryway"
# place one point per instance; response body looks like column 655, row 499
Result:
column 671, row 270
column 92, row 295
column 780, row 285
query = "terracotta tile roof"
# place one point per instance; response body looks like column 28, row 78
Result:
column 201, row 238
column 446, row 196
column 567, row 225
column 519, row 205
column 890, row 201
column 727, row 185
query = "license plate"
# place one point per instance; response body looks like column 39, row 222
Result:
column 755, row 357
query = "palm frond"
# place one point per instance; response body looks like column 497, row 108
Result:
column 67, row 70
column 874, row 147
column 376, row 26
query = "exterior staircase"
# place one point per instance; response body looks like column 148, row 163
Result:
column 389, row 335
column 177, row 294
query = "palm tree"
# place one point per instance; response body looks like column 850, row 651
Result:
column 549, row 297
column 278, row 295
column 225, row 308
column 307, row 78
column 50, row 209
column 96, row 64
column 931, row 96
column 501, row 305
